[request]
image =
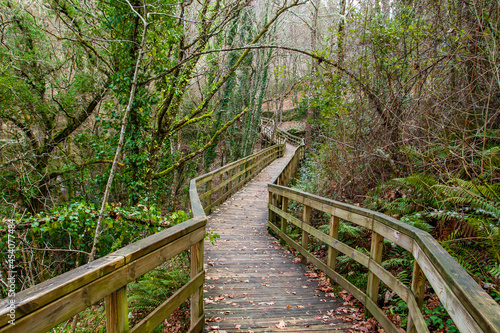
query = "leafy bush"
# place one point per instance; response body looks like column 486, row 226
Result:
column 60, row 239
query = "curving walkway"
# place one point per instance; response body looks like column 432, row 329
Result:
column 252, row 283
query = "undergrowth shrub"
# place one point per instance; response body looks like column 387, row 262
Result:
column 156, row 286
column 60, row 239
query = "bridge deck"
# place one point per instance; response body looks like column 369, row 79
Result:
column 253, row 284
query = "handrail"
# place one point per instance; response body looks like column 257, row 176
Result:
column 44, row 306
column 294, row 140
column 223, row 182
column 471, row 308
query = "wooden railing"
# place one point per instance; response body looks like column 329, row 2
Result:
column 44, row 306
column 268, row 127
column 215, row 187
column 470, row 307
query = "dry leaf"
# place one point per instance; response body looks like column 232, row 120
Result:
column 281, row 325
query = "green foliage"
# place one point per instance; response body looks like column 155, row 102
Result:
column 435, row 320
column 151, row 290
column 307, row 179
column 212, row 237
column 60, row 239
column 495, row 271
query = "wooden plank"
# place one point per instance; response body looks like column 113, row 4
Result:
column 245, row 180
column 375, row 311
column 418, row 289
column 478, row 303
column 290, row 162
column 158, row 315
column 376, row 250
column 284, row 207
column 331, row 260
column 196, row 295
column 72, row 303
column 339, row 279
column 146, row 245
column 323, row 205
column 461, row 317
column 393, row 235
column 416, row 321
column 117, row 311
column 358, row 294
column 31, row 299
column 306, row 218
column 196, row 206
column 208, row 176
column 390, row 280
column 198, row 326
column 209, row 197
column 472, row 297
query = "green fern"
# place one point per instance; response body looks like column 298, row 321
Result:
column 425, row 187
column 418, row 220
column 156, row 286
column 397, row 262
column 471, row 208
column 468, row 194
column 492, row 157
column 495, row 271
column 405, row 277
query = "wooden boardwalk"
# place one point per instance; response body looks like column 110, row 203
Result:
column 252, row 283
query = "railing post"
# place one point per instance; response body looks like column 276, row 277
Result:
column 418, row 288
column 273, row 133
column 209, row 196
column 117, row 311
column 221, row 179
column 232, row 182
column 272, row 215
column 284, row 207
column 376, row 249
column 305, row 235
column 332, row 253
column 197, row 296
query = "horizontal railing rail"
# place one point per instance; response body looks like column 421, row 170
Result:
column 213, row 188
column 470, row 307
column 46, row 305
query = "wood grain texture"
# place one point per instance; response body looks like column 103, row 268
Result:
column 117, row 311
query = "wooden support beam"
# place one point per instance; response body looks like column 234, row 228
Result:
column 332, row 253
column 272, row 215
column 197, row 296
column 284, row 207
column 418, row 289
column 209, row 197
column 117, row 311
column 306, row 218
column 376, row 249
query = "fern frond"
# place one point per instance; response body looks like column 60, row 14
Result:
column 418, row 220
column 460, row 196
column 397, row 262
column 425, row 186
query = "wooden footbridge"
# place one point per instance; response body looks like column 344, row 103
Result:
column 247, row 281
